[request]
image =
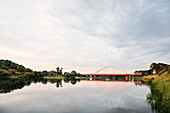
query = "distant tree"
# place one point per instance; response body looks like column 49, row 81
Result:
column 153, row 65
column 13, row 71
column 78, row 74
column 39, row 74
column 73, row 73
column 28, row 70
column 4, row 73
column 61, row 71
column 28, row 74
column 67, row 74
column 58, row 70
column 7, row 64
column 44, row 73
column 158, row 66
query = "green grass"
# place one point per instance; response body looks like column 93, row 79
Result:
column 160, row 93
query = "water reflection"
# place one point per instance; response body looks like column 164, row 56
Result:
column 7, row 84
column 42, row 95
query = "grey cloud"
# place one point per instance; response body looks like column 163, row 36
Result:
column 87, row 33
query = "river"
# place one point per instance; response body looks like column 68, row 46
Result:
column 73, row 96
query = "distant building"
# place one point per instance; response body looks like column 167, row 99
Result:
column 154, row 71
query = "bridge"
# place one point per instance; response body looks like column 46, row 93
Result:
column 112, row 71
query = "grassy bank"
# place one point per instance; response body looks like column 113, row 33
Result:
column 159, row 98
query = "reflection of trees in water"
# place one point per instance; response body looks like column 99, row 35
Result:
column 72, row 80
column 9, row 84
column 59, row 83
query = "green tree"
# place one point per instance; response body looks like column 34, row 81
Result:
column 13, row 71
column 28, row 74
column 58, row 70
column 73, row 73
column 7, row 64
column 28, row 70
column 61, row 71
column 67, row 74
column 4, row 73
column 44, row 73
column 78, row 74
column 153, row 65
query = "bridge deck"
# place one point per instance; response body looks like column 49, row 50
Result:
column 110, row 81
column 113, row 74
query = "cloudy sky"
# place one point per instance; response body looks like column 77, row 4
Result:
column 85, row 35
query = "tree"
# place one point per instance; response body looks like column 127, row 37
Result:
column 28, row 70
column 44, row 73
column 73, row 73
column 7, row 64
column 67, row 74
column 78, row 74
column 153, row 65
column 4, row 73
column 13, row 71
column 28, row 74
column 58, row 69
column 61, row 71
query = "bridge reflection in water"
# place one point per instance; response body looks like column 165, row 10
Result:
column 111, row 89
column 112, row 85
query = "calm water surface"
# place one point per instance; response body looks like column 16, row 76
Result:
column 74, row 97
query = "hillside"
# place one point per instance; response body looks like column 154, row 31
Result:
column 9, row 68
column 159, row 98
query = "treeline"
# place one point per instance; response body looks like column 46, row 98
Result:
column 160, row 68
column 11, row 69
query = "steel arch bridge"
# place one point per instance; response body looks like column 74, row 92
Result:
column 112, row 85
column 112, row 71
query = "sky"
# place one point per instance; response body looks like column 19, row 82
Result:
column 85, row 35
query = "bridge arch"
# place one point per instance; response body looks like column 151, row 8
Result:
column 112, row 68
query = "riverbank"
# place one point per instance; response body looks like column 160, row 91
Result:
column 159, row 98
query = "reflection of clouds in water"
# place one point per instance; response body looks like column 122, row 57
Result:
column 85, row 97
